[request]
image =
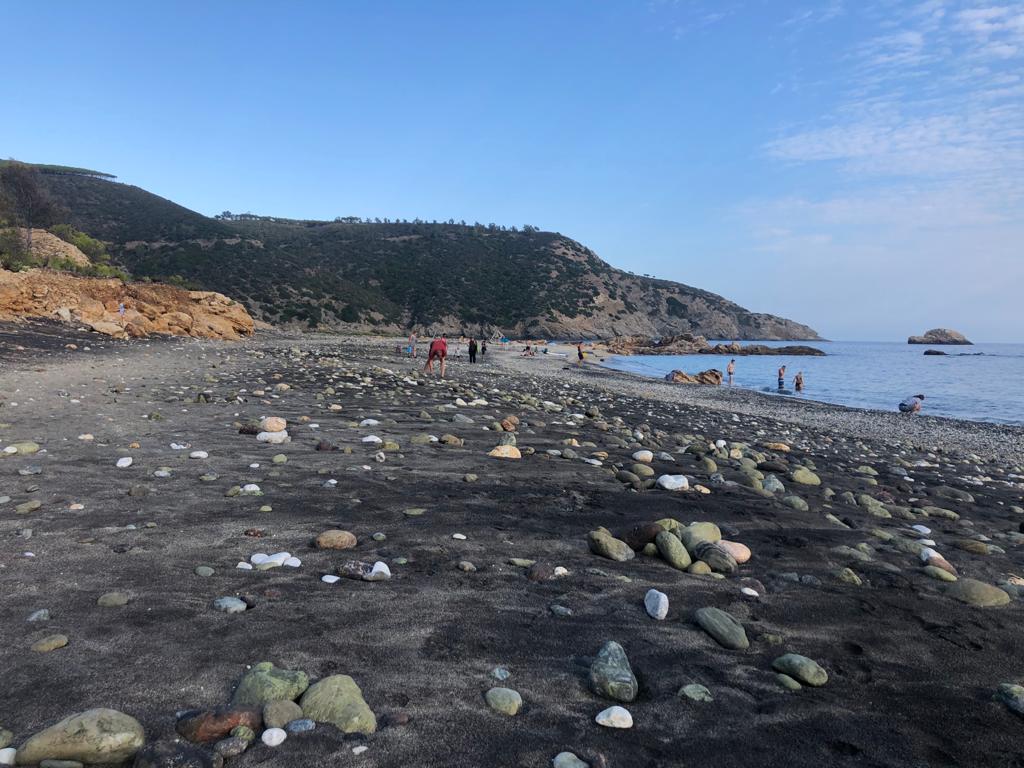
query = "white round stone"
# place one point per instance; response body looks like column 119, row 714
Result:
column 274, row 438
column 749, row 592
column 673, row 482
column 7, row 756
column 199, row 455
column 293, row 562
column 244, row 567
column 615, row 717
column 124, row 462
column 922, row 529
column 369, row 423
column 330, row 578
column 459, row 536
column 360, row 749
column 259, row 558
column 656, row 604
column 372, row 439
column 644, row 457
column 274, row 736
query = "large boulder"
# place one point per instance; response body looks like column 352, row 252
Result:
column 940, row 336
column 93, row 736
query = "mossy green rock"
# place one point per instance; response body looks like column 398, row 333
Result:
column 504, row 700
column 672, row 550
column 801, row 668
column 978, row 593
column 610, row 674
column 698, row 533
column 337, row 700
column 804, row 476
column 604, row 544
column 265, row 683
column 277, row 714
column 94, row 736
column 723, row 627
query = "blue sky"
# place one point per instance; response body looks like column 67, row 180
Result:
column 858, row 166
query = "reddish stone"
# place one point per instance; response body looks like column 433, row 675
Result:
column 211, row 725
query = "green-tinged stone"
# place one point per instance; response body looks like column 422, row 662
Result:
column 938, row 573
column 804, row 476
column 977, row 593
column 50, row 643
column 504, row 700
column 723, row 627
column 672, row 550
column 695, row 692
column 801, row 668
column 788, row 682
column 103, row 736
column 265, row 683
column 610, row 674
column 337, row 700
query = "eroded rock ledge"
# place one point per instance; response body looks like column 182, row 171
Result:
column 149, row 308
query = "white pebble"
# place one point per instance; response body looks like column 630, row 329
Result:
column 459, row 536
column 615, row 717
column 7, row 756
column 293, row 562
column 259, row 558
column 656, row 604
column 922, row 529
column 254, row 465
column 673, row 482
column 372, row 439
column 244, row 567
column 380, row 568
column 124, row 462
column 199, row 455
column 360, row 749
column 369, row 423
column 274, row 736
column 330, row 578
column 749, row 592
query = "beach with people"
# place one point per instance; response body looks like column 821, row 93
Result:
column 186, row 520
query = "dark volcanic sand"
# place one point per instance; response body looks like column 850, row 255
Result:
column 912, row 672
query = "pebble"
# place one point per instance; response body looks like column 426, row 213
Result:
column 568, row 760
column 203, row 570
column 610, row 674
column 272, row 737
column 124, row 462
column 504, row 700
column 801, row 668
column 50, row 643
column 615, row 717
column 300, row 725
column 112, row 600
column 695, row 692
column 229, row 605
column 656, row 604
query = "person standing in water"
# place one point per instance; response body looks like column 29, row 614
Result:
column 472, row 349
column 730, row 369
column 782, row 377
column 798, row 381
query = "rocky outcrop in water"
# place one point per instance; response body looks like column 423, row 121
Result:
column 712, row 376
column 940, row 336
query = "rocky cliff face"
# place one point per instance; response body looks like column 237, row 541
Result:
column 940, row 336
column 149, row 308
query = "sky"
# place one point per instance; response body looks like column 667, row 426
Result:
column 857, row 165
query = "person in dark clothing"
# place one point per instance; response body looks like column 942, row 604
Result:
column 483, row 347
column 472, row 350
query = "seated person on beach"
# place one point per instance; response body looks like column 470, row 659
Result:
column 438, row 351
column 912, row 404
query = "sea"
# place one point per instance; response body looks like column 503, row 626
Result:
column 982, row 382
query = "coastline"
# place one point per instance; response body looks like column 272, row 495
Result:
column 1004, row 442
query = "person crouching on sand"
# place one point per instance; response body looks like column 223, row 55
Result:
column 438, row 351
column 912, row 404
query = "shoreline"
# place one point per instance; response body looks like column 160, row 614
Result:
column 1003, row 442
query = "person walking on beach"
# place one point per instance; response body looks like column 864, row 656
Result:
column 730, row 369
column 438, row 351
column 472, row 350
column 912, row 404
column 798, row 381
column 579, row 353
column 412, row 344
column 483, row 347
column 782, row 378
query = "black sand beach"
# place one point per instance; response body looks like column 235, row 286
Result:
column 912, row 671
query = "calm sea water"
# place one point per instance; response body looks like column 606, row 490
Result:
column 985, row 387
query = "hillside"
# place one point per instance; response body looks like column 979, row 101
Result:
column 391, row 276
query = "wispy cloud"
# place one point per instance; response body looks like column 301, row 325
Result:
column 922, row 150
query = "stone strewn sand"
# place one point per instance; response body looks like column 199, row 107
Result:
column 830, row 620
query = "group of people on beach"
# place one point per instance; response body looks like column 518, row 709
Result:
column 798, row 380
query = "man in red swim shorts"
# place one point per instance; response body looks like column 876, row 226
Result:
column 438, row 351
